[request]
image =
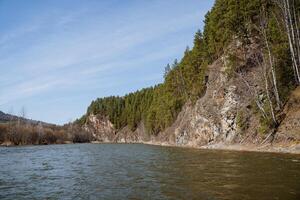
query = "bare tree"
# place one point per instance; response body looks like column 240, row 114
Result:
column 23, row 112
column 263, row 32
column 271, row 63
column 254, row 92
column 291, row 25
column 265, row 72
column 297, row 31
column 11, row 130
column 22, row 115
column 40, row 131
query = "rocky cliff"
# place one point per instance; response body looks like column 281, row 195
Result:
column 225, row 115
column 101, row 128
column 289, row 129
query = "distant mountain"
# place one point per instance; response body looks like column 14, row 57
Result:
column 4, row 117
column 7, row 117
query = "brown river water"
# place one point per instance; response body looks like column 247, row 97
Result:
column 137, row 171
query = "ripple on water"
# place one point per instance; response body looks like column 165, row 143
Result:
column 89, row 171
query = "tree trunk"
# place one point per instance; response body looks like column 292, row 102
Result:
column 264, row 68
column 288, row 23
column 297, row 38
column 257, row 101
column 272, row 69
column 268, row 92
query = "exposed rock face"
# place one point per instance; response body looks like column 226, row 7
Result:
column 100, row 127
column 213, row 119
column 126, row 135
column 289, row 129
column 103, row 131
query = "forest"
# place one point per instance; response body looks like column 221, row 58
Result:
column 273, row 24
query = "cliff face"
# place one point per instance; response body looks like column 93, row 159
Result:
column 289, row 129
column 101, row 128
column 226, row 114
column 214, row 117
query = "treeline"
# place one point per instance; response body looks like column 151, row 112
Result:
column 20, row 133
column 273, row 24
column 158, row 106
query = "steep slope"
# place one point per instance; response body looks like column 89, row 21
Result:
column 225, row 115
column 4, row 117
column 7, row 117
column 100, row 127
column 232, row 88
column 289, row 129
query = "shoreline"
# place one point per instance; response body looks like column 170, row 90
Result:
column 268, row 148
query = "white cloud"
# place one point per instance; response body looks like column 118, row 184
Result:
column 80, row 48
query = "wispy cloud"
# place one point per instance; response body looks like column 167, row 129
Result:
column 18, row 32
column 88, row 49
column 61, row 50
column 27, row 89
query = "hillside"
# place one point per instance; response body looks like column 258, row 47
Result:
column 231, row 87
column 16, row 130
column 4, row 118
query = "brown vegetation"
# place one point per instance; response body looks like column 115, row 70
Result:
column 20, row 133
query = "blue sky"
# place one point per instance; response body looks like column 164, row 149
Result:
column 56, row 56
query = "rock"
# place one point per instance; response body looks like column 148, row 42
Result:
column 100, row 127
column 290, row 125
column 7, row 144
column 212, row 120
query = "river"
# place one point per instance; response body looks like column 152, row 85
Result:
column 136, row 171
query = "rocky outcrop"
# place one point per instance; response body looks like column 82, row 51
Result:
column 289, row 128
column 225, row 115
column 126, row 135
column 213, row 119
column 101, row 128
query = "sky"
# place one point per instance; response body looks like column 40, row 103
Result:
column 56, row 56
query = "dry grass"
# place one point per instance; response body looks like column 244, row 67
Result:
column 18, row 133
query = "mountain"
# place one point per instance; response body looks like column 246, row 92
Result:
column 235, row 87
column 6, row 117
column 12, row 118
column 16, row 130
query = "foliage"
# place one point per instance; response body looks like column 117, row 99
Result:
column 242, row 121
column 280, row 51
column 185, row 81
column 232, row 65
column 229, row 19
column 158, row 106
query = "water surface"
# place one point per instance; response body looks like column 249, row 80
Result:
column 135, row 171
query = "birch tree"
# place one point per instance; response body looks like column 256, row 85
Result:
column 262, row 29
column 291, row 22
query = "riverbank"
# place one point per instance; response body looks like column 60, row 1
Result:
column 272, row 148
column 293, row 149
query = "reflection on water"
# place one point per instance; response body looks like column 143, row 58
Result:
column 134, row 171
